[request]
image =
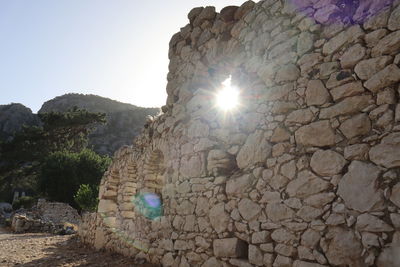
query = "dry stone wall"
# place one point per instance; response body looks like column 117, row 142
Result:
column 305, row 172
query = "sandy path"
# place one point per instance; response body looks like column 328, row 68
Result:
column 49, row 250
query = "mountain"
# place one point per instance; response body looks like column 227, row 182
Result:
column 13, row 117
column 124, row 121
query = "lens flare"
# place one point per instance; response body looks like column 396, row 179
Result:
column 149, row 205
column 227, row 96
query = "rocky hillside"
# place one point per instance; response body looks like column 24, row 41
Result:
column 124, row 121
column 13, row 117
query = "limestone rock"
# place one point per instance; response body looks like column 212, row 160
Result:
column 387, row 153
column 305, row 185
column 356, row 126
column 347, row 36
column 344, row 249
column 395, row 196
column 327, row 162
column 349, row 89
column 318, row 134
column 316, row 93
column 229, row 247
column 299, row 263
column 308, row 213
column 357, row 187
column 347, row 106
column 301, row 116
column 278, row 212
column 106, row 205
column 394, row 20
column 236, row 186
column 212, row 262
column 352, row 56
column 388, row 45
column 255, row 255
column 256, row 149
column 248, row 209
column 305, row 43
column 367, row 68
column 369, row 223
column 386, row 77
column 219, row 218
column 390, row 257
column 280, row 135
column 356, row 152
column 287, row 73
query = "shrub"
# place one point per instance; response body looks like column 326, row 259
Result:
column 86, row 197
column 63, row 172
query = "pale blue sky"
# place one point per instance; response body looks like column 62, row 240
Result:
column 113, row 48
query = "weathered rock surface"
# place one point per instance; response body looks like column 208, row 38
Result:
column 327, row 162
column 357, row 187
column 387, row 153
column 318, row 134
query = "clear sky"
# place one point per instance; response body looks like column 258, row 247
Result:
column 112, row 48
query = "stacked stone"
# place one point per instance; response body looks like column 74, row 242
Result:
column 304, row 173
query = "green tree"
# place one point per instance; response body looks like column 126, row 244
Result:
column 87, row 197
column 63, row 172
column 21, row 159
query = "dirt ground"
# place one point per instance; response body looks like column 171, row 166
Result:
column 47, row 250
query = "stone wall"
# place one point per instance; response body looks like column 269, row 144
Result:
column 305, row 172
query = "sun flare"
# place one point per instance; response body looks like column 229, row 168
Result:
column 227, row 96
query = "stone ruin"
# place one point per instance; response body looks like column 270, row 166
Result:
column 305, row 172
column 50, row 217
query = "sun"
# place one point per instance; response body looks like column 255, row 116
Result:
column 227, row 96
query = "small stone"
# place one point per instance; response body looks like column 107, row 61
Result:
column 316, row 93
column 256, row 149
column 278, row 212
column 357, row 187
column 388, row 45
column 305, row 43
column 356, row 152
column 261, row 237
column 310, row 238
column 237, row 186
column 352, row 56
column 347, row 36
column 318, row 134
column 349, row 105
column 280, row 135
column 386, row 77
column 305, row 185
column 358, row 125
column 394, row 20
column 344, row 249
column 283, row 236
column 219, row 218
column 327, row 162
column 255, row 255
column 308, row 213
column 387, row 153
column 395, row 195
column 327, row 68
column 367, row 68
column 302, row 116
column 248, row 209
column 369, row 223
column 287, row 73
column 349, row 89
column 388, row 96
